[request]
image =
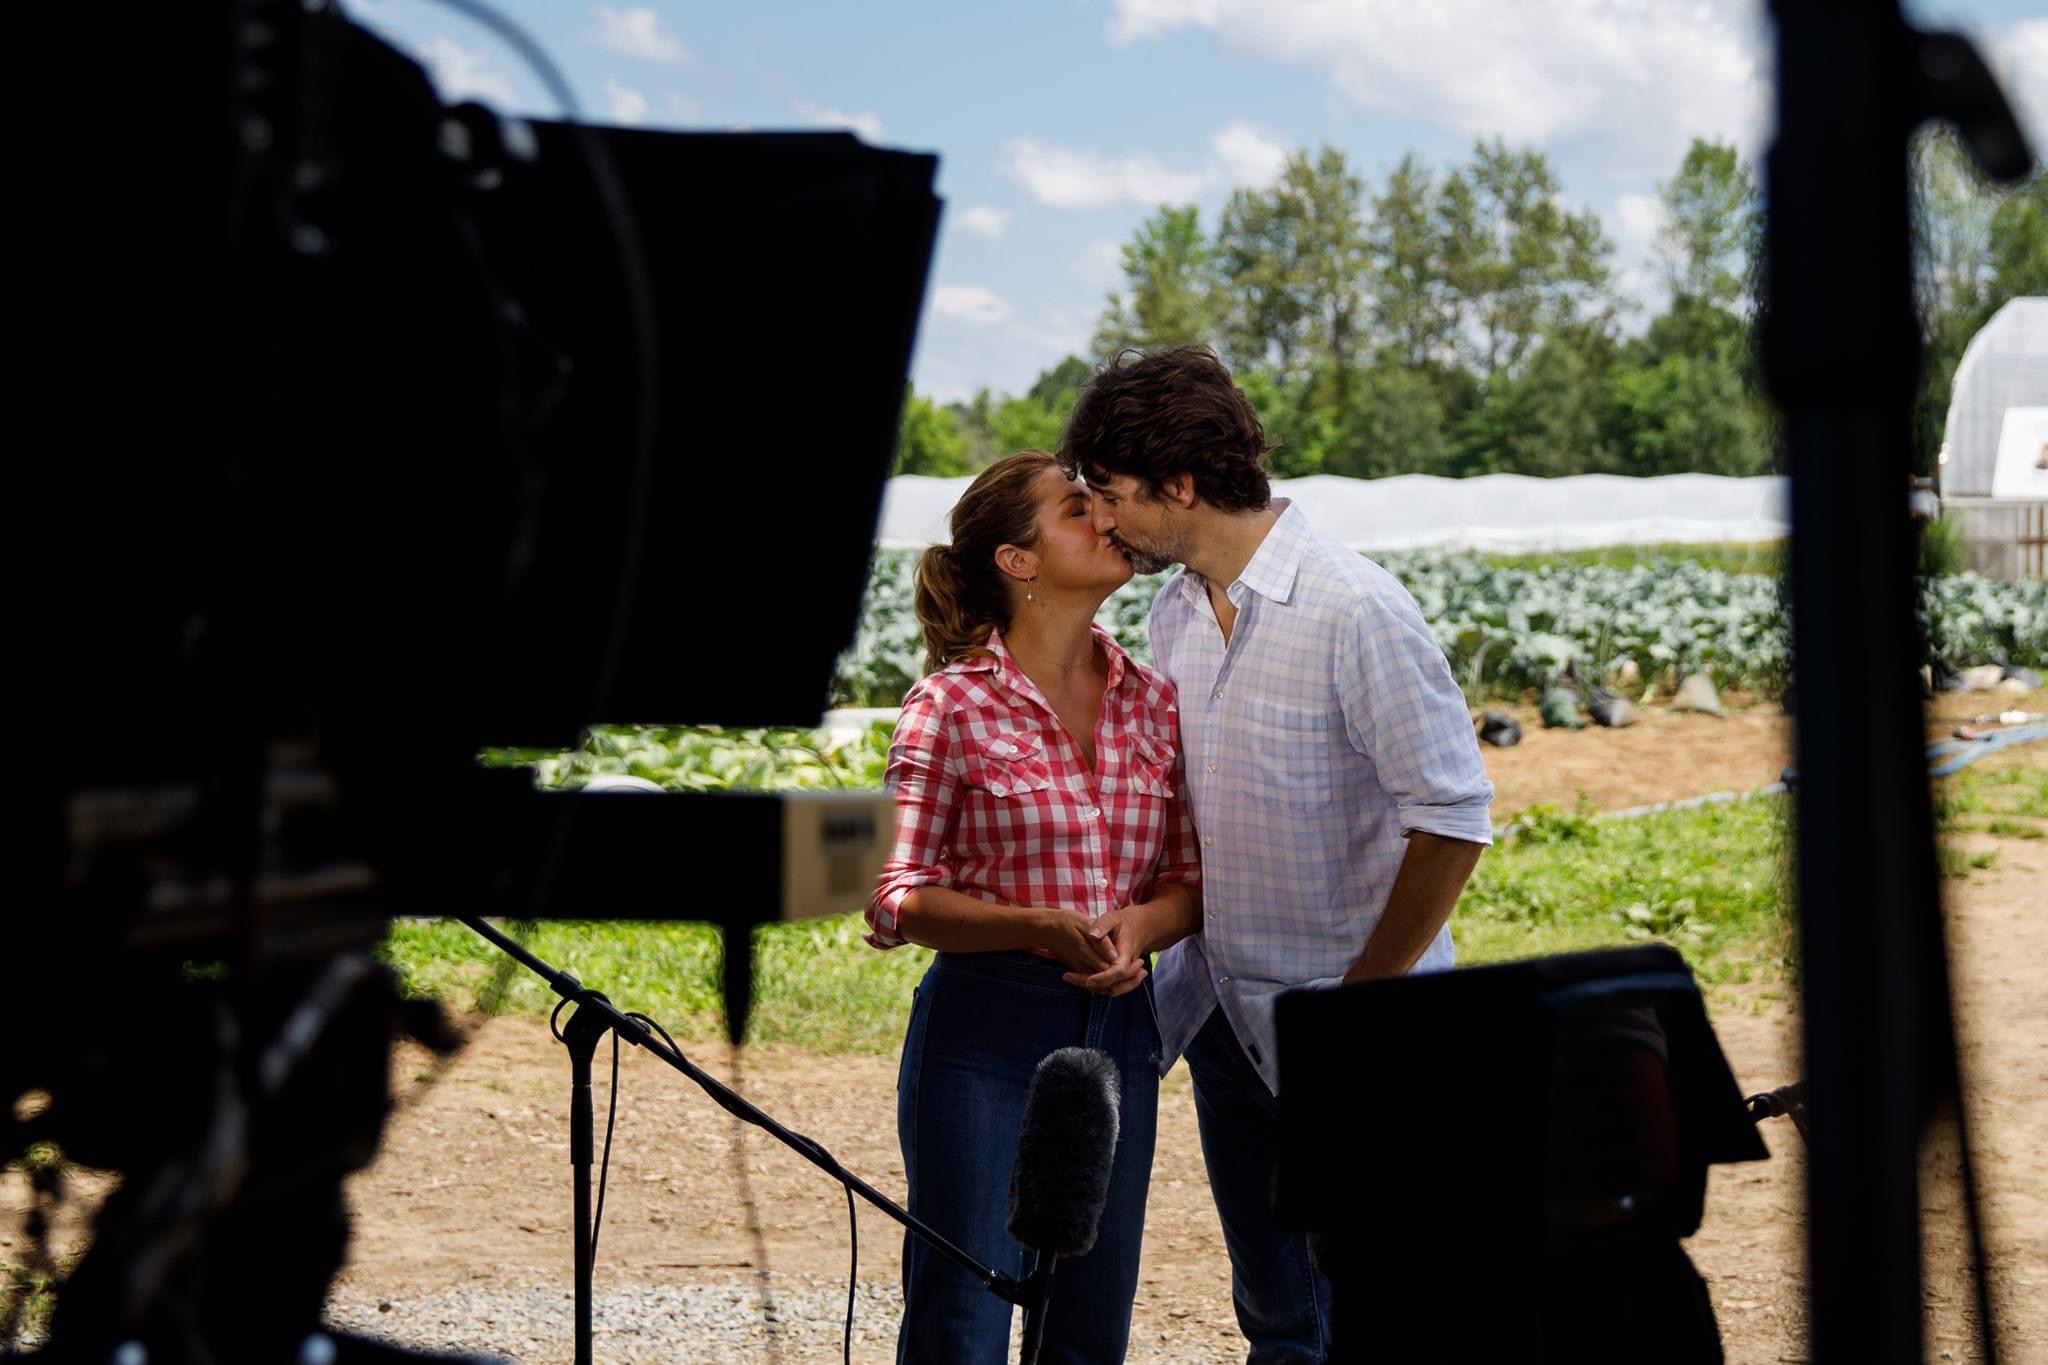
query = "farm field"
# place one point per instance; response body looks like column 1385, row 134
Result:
column 720, row 1246
column 462, row 1225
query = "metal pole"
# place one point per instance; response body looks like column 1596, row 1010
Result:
column 580, row 1035
column 589, row 1002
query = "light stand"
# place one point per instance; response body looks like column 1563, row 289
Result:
column 594, row 1017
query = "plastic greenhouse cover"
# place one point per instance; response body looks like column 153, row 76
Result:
column 1501, row 513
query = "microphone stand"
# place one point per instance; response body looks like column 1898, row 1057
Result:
column 1037, row 1292
column 593, row 1018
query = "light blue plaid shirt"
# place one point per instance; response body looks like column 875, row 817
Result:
column 1327, row 731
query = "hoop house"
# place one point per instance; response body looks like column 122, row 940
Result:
column 1993, row 470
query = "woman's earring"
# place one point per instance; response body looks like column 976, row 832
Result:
column 1029, row 584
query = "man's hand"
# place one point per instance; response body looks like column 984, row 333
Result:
column 1125, row 936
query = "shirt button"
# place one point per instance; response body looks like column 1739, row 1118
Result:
column 1224, row 977
column 1208, row 843
column 1102, row 881
column 1218, row 696
column 1094, row 811
column 1212, row 767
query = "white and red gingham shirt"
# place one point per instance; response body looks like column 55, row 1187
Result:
column 994, row 798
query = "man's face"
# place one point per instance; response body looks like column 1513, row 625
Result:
column 1145, row 528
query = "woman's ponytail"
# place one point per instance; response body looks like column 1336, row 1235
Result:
column 960, row 596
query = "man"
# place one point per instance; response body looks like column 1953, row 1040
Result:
column 1335, row 781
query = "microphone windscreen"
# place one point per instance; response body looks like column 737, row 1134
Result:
column 1064, row 1152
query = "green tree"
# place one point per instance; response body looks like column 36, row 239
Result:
column 1266, row 318
column 1520, row 264
column 1411, row 246
column 1058, row 387
column 1689, row 413
column 1685, row 395
column 1169, row 296
column 1394, row 424
column 1549, row 418
column 1712, row 221
column 995, row 426
column 1293, row 257
column 929, row 441
column 1024, row 424
column 2019, row 244
column 1300, row 431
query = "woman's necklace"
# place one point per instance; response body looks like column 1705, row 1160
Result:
column 1064, row 669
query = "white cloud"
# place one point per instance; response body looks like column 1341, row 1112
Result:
column 1071, row 178
column 983, row 221
column 1251, row 156
column 2020, row 57
column 637, row 33
column 867, row 124
column 623, row 103
column 1646, row 75
column 1100, row 263
column 464, row 73
column 974, row 304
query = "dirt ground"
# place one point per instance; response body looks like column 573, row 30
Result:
column 472, row 1184
column 1671, row 755
column 694, row 1194
column 471, row 1188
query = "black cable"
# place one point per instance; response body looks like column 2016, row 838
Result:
column 852, row 1270
column 852, row 1212
column 604, row 1167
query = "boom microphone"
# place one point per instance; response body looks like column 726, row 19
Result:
column 1060, row 1181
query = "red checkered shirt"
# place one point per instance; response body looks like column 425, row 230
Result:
column 994, row 799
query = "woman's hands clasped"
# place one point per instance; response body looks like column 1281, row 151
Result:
column 1120, row 943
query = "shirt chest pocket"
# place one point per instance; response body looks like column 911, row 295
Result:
column 1145, row 767
column 1009, row 764
column 1292, row 755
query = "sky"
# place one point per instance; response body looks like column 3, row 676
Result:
column 1061, row 125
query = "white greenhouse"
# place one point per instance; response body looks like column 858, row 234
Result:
column 1993, row 472
column 1498, row 513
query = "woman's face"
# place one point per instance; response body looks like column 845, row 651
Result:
column 1071, row 556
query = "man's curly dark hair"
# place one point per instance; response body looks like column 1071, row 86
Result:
column 1170, row 413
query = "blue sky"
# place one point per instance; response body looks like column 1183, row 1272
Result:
column 1060, row 125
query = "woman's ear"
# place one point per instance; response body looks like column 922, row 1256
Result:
column 1021, row 565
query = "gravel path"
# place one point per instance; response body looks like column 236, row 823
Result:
column 800, row 1319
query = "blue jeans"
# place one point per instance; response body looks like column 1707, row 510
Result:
column 979, row 1026
column 1283, row 1305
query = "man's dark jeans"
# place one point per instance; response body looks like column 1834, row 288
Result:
column 1283, row 1305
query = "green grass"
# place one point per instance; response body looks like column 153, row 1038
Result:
column 816, row 984
column 1709, row 881
column 1729, row 557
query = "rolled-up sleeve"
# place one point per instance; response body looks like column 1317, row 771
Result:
column 920, row 775
column 1404, row 713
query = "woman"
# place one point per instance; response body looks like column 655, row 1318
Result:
column 1043, row 849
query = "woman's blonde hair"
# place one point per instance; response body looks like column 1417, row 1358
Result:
column 961, row 596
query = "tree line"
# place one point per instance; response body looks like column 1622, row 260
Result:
column 1466, row 320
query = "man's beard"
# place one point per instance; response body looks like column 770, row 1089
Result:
column 1143, row 561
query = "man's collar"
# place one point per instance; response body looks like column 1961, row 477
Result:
column 1273, row 565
